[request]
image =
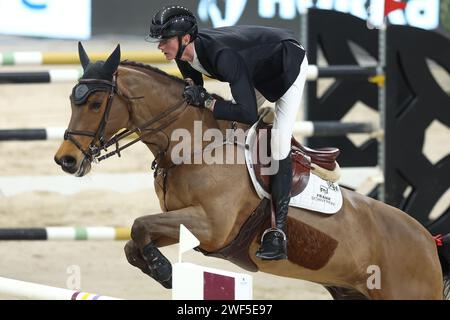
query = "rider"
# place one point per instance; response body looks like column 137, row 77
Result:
column 269, row 60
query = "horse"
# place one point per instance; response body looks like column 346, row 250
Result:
column 344, row 252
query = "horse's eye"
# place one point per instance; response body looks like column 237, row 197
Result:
column 95, row 105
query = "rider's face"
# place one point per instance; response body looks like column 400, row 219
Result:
column 169, row 47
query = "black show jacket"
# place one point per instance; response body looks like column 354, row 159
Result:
column 246, row 57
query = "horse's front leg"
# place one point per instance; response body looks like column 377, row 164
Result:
column 158, row 230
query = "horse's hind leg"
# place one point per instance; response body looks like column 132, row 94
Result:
column 340, row 293
column 410, row 292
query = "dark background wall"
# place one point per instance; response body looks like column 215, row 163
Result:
column 132, row 17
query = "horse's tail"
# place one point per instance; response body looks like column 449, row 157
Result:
column 443, row 245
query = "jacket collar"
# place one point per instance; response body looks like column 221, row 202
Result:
column 203, row 58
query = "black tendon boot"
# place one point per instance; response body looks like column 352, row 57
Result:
column 273, row 241
column 159, row 265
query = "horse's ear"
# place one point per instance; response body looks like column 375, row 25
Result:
column 84, row 59
column 113, row 61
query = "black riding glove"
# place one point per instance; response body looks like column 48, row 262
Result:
column 196, row 95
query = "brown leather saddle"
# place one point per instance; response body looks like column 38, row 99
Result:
column 301, row 156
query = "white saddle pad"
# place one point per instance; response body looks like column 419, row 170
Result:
column 319, row 195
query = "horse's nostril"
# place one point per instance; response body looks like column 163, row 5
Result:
column 68, row 163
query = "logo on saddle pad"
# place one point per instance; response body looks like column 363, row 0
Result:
column 318, row 195
column 330, row 185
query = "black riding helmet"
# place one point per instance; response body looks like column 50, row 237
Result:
column 173, row 21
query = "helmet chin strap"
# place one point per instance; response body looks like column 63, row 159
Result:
column 181, row 48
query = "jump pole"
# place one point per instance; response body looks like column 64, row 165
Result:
column 301, row 128
column 34, row 291
column 73, row 74
column 65, row 233
column 58, row 58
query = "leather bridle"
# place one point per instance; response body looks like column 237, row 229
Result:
column 98, row 140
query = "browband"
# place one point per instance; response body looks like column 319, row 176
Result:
column 86, row 87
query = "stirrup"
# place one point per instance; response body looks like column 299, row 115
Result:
column 273, row 230
column 269, row 252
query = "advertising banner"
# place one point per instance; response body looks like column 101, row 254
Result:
column 66, row 19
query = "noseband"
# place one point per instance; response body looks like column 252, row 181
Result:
column 80, row 95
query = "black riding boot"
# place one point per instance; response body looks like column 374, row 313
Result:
column 274, row 242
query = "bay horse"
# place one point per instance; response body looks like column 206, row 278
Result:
column 218, row 204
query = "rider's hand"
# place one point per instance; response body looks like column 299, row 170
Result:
column 196, row 95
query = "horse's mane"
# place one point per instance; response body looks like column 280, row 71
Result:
column 147, row 68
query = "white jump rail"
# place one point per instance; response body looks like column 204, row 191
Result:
column 33, row 291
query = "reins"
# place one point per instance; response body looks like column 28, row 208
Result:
column 144, row 127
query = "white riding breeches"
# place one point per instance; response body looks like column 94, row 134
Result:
column 286, row 109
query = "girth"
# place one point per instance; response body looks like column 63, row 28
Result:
column 237, row 251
